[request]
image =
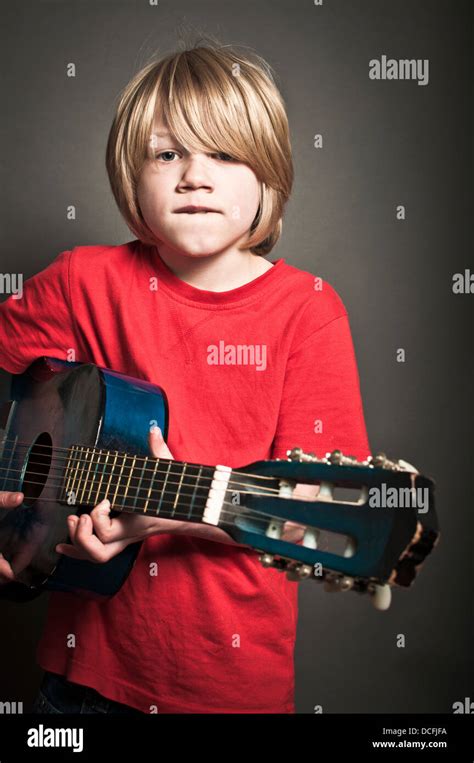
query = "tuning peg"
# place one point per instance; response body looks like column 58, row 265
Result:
column 350, row 548
column 300, row 572
column 326, row 491
column 334, row 583
column 407, row 467
column 298, row 454
column 381, row 596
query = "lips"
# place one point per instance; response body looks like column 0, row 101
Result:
column 193, row 210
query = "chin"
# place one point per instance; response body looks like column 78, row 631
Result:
column 198, row 250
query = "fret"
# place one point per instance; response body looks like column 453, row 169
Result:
column 83, row 473
column 83, row 470
column 193, row 497
column 178, row 489
column 124, row 458
column 128, row 481
column 151, row 485
column 76, row 474
column 111, row 474
column 104, row 467
column 89, row 495
column 84, row 500
column 164, row 488
column 175, row 498
column 145, row 463
column 68, row 473
column 194, row 502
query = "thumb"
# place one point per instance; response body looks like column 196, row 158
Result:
column 158, row 447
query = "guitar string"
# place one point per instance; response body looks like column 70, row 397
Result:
column 81, row 458
column 234, row 483
column 262, row 518
column 127, row 475
column 104, row 452
column 261, row 521
column 249, row 514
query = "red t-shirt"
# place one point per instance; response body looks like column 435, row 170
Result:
column 213, row 631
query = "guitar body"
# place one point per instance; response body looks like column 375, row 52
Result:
column 56, row 404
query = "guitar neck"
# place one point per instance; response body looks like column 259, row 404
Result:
column 145, row 485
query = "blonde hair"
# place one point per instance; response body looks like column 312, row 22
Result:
column 211, row 97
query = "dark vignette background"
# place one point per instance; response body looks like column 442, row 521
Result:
column 385, row 143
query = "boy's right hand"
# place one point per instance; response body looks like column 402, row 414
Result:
column 8, row 501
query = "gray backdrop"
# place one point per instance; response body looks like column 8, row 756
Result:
column 386, row 143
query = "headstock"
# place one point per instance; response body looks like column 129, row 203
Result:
column 388, row 526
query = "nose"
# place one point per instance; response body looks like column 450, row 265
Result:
column 196, row 173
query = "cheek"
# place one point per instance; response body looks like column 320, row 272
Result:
column 141, row 192
column 148, row 195
column 246, row 198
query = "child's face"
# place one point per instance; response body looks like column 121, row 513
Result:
column 176, row 178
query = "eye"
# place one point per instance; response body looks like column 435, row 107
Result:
column 164, row 153
column 227, row 158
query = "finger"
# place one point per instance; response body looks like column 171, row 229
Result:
column 158, row 447
column 292, row 532
column 102, row 523
column 408, row 467
column 99, row 515
column 109, row 530
column 88, row 546
column 72, row 522
column 6, row 572
column 10, row 500
column 305, row 492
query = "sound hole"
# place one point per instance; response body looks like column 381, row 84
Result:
column 37, row 468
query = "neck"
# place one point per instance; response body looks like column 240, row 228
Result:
column 215, row 272
column 145, row 485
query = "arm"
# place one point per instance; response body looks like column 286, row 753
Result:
column 38, row 323
column 41, row 322
column 321, row 407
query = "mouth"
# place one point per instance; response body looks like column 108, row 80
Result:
column 191, row 210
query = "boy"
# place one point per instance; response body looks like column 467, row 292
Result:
column 199, row 161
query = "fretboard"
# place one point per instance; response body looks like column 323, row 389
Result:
column 137, row 484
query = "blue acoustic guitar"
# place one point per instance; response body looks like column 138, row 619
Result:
column 73, row 434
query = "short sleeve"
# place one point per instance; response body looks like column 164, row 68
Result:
column 321, row 408
column 40, row 321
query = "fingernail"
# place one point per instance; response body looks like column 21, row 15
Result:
column 82, row 518
column 156, row 430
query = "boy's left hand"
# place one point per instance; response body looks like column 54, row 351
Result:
column 113, row 535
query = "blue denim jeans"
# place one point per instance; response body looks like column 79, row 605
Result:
column 58, row 695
